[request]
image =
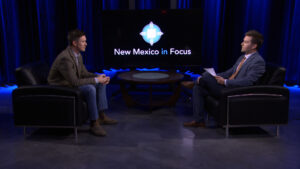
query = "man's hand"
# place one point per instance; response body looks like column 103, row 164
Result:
column 198, row 79
column 220, row 80
column 107, row 80
column 103, row 79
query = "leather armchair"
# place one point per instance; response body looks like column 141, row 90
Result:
column 37, row 104
column 265, row 103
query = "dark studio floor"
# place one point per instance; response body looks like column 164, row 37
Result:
column 147, row 140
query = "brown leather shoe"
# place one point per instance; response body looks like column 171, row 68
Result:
column 188, row 84
column 106, row 120
column 194, row 124
column 97, row 130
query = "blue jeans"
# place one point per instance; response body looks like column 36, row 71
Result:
column 207, row 86
column 95, row 96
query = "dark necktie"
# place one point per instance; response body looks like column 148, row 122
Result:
column 237, row 69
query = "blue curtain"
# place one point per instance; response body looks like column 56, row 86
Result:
column 290, row 53
column 115, row 4
column 145, row 4
column 32, row 31
column 213, row 17
column 10, row 40
column 183, row 4
column 110, row 4
column 36, row 30
column 85, row 22
column 46, row 28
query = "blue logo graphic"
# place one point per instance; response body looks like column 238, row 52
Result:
column 151, row 33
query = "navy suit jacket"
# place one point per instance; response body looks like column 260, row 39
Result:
column 251, row 70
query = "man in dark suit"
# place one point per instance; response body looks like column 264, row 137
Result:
column 247, row 69
column 68, row 70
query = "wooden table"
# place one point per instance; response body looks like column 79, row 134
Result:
column 150, row 78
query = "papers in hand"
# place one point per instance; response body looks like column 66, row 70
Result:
column 211, row 71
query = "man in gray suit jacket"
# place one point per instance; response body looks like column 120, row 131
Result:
column 247, row 69
column 68, row 70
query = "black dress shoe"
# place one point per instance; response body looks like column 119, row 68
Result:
column 194, row 124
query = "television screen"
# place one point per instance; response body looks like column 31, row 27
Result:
column 152, row 38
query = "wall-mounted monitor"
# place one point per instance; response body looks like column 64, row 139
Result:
column 152, row 38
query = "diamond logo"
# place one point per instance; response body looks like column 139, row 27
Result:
column 151, row 33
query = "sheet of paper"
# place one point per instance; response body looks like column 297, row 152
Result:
column 211, row 71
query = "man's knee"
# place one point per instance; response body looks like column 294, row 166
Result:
column 91, row 89
column 196, row 88
column 206, row 79
column 199, row 90
column 100, row 86
column 206, row 76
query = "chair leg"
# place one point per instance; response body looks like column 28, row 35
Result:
column 227, row 118
column 24, row 132
column 227, row 131
column 76, row 134
column 277, row 131
column 207, row 118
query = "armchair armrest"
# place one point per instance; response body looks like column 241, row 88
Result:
column 255, row 90
column 47, row 90
column 265, row 104
column 45, row 105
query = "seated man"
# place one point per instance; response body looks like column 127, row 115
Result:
column 68, row 70
column 247, row 69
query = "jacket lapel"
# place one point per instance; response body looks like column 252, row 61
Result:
column 74, row 61
column 247, row 62
column 79, row 64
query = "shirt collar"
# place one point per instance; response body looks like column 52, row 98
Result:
column 247, row 56
column 75, row 54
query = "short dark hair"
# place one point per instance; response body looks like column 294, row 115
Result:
column 257, row 38
column 74, row 35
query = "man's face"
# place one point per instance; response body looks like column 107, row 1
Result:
column 80, row 44
column 247, row 45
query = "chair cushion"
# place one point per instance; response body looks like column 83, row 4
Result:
column 274, row 75
column 32, row 74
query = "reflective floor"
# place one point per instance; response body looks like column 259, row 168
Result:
column 146, row 140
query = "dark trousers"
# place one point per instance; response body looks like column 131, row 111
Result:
column 95, row 96
column 207, row 86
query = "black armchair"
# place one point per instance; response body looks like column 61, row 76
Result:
column 36, row 104
column 265, row 103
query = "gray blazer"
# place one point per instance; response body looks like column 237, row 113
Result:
column 252, row 69
column 65, row 72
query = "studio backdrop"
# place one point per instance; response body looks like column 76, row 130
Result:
column 36, row 30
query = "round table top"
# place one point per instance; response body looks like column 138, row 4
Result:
column 150, row 77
